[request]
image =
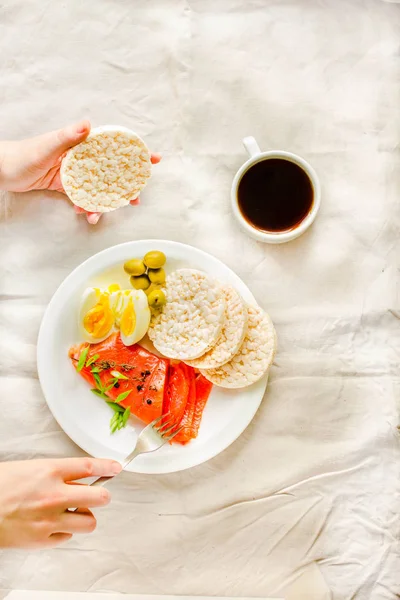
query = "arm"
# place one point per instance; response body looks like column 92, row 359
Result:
column 34, row 163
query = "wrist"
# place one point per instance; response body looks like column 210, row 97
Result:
column 11, row 166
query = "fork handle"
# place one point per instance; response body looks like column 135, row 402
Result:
column 100, row 481
column 103, row 480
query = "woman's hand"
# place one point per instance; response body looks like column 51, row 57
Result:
column 34, row 163
column 35, row 496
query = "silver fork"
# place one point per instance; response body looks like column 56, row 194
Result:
column 151, row 438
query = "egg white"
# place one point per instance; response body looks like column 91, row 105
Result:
column 142, row 313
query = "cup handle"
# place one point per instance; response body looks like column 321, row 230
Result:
column 251, row 146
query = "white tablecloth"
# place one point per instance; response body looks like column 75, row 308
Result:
column 316, row 476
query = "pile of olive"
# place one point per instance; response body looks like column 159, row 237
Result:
column 147, row 274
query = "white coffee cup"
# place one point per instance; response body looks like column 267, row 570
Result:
column 256, row 156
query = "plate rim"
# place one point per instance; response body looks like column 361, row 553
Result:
column 218, row 448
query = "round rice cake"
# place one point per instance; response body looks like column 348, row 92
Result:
column 191, row 321
column 232, row 335
column 107, row 170
column 254, row 357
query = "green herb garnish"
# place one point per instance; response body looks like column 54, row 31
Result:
column 118, row 375
column 115, row 419
column 116, row 407
column 126, row 416
column 121, row 415
column 91, row 360
column 99, row 385
column 82, row 358
column 99, row 393
column 122, row 396
column 119, row 420
column 112, row 384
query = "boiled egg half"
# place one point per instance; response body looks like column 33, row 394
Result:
column 96, row 317
column 103, row 312
column 135, row 317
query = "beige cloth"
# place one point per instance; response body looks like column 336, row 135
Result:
column 40, row 595
column 316, row 475
column 310, row 585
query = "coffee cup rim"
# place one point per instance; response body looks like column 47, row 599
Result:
column 278, row 237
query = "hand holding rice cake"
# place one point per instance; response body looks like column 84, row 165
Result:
column 107, row 170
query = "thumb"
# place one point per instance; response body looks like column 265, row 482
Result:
column 55, row 143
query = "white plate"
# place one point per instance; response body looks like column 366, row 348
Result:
column 84, row 417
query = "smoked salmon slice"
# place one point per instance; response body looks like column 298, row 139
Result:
column 186, row 434
column 200, row 390
column 148, row 385
column 203, row 391
column 146, row 375
column 177, row 392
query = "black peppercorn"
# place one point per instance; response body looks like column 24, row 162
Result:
column 149, row 401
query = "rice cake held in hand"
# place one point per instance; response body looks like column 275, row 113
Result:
column 232, row 335
column 254, row 357
column 191, row 321
column 107, row 170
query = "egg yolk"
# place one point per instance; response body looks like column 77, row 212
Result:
column 128, row 319
column 114, row 287
column 99, row 319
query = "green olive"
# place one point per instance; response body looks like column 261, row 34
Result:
column 155, row 259
column 135, row 267
column 156, row 299
column 152, row 287
column 140, row 283
column 156, row 275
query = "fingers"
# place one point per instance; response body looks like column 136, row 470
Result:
column 86, row 495
column 82, row 521
column 56, row 539
column 71, row 469
column 55, row 143
column 93, row 218
column 77, row 522
column 155, row 158
column 70, row 136
column 55, row 184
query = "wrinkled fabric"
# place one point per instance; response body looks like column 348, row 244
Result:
column 316, row 475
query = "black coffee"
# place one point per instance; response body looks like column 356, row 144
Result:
column 275, row 195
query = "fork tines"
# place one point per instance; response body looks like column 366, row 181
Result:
column 165, row 425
